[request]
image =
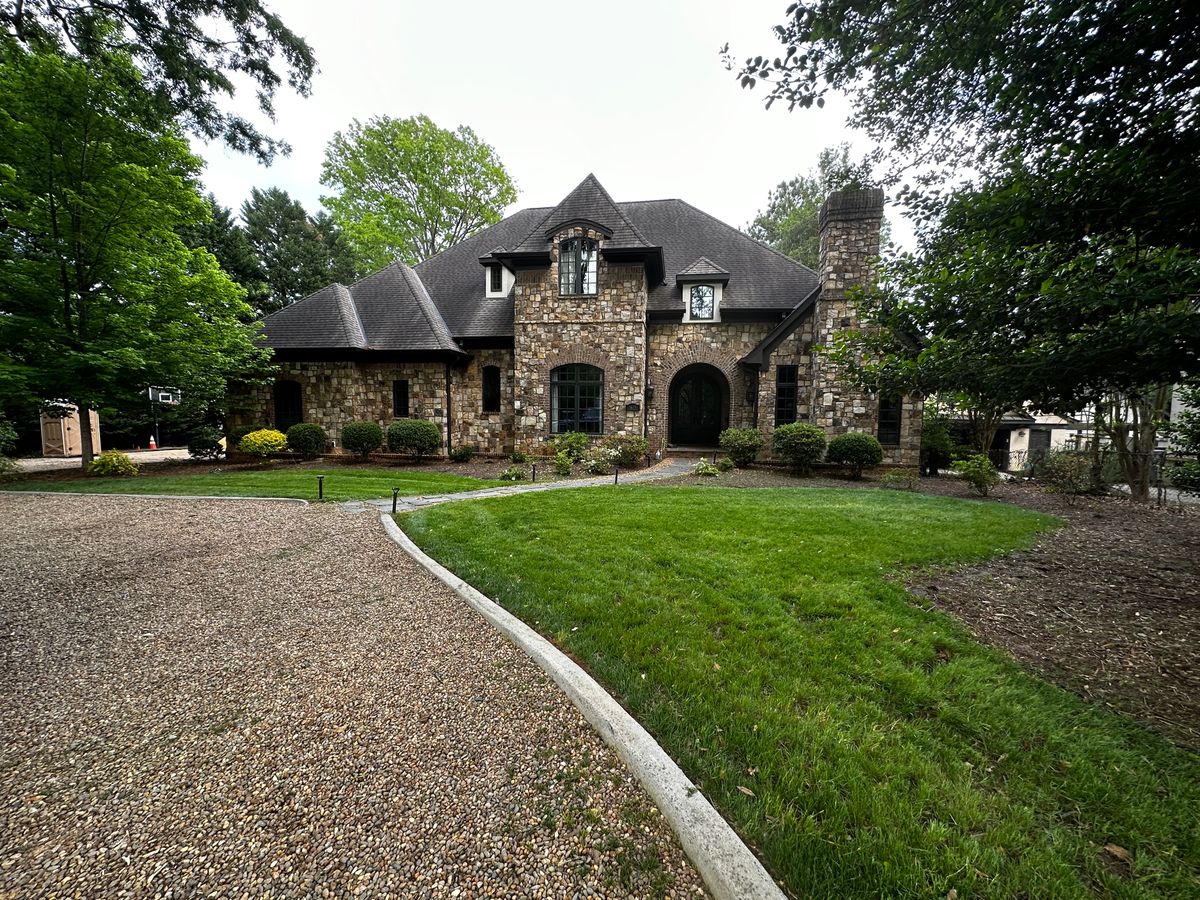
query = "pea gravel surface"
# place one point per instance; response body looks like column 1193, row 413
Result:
column 256, row 699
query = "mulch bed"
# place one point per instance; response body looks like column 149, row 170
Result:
column 1108, row 606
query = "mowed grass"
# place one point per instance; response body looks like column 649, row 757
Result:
column 861, row 745
column 340, row 484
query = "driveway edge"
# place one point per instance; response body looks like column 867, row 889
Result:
column 295, row 500
column 725, row 863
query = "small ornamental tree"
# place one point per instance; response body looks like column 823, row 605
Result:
column 856, row 451
column 416, row 436
column 742, row 444
column 801, row 444
column 363, row 438
column 977, row 470
column 306, row 439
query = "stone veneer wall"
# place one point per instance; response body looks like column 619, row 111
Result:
column 490, row 432
column 607, row 330
column 334, row 393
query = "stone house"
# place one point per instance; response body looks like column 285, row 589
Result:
column 649, row 318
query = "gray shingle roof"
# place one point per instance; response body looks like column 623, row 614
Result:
column 701, row 268
column 443, row 299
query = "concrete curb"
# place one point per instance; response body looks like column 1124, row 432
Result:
column 725, row 863
column 292, row 500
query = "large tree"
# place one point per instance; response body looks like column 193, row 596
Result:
column 789, row 222
column 188, row 52
column 298, row 253
column 224, row 238
column 1066, row 260
column 407, row 189
column 97, row 290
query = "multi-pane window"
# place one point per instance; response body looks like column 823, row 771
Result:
column 577, row 399
column 496, row 279
column 400, row 398
column 786, row 387
column 702, row 302
column 491, row 389
column 890, row 409
column 577, row 260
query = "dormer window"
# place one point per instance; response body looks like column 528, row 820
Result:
column 495, row 279
column 703, row 302
column 577, row 263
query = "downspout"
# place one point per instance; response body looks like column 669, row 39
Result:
column 449, row 412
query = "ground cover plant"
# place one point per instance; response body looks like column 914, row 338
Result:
column 862, row 745
column 340, row 484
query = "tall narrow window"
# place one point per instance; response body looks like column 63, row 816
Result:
column 496, row 279
column 890, row 410
column 577, row 399
column 491, row 389
column 400, row 398
column 289, row 404
column 702, row 302
column 577, row 260
column 786, row 386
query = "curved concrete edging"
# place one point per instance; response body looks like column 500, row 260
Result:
column 295, row 500
column 725, row 863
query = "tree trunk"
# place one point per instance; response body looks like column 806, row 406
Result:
column 1133, row 435
column 88, row 452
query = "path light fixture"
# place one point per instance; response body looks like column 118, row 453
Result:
column 616, row 473
column 533, row 479
column 320, row 487
column 395, row 499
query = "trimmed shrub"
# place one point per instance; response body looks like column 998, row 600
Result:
column 562, row 464
column 517, row 458
column 628, row 450
column 704, row 467
column 112, row 464
column 856, row 451
column 514, row 473
column 573, row 443
column 599, row 461
column 900, row 480
column 363, row 438
column 233, row 436
column 977, row 470
column 263, row 443
column 1066, row 472
column 205, row 443
column 725, row 464
column 306, row 439
column 800, row 444
column 742, row 444
column 419, row 437
column 462, row 454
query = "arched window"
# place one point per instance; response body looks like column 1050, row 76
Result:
column 289, row 405
column 577, row 399
column 491, row 389
column 577, row 261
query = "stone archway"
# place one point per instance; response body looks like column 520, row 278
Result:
column 698, row 407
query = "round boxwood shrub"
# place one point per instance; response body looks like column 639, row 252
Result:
column 112, row 464
column 205, row 443
column 306, row 439
column 263, row 443
column 856, row 451
column 800, row 444
column 363, row 438
column 419, row 437
column 741, row 445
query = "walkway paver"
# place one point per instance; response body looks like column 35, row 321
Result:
column 202, row 699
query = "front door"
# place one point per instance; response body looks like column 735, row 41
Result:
column 697, row 398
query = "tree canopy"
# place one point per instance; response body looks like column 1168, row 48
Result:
column 224, row 238
column 297, row 253
column 406, row 189
column 97, row 290
column 790, row 221
column 188, row 52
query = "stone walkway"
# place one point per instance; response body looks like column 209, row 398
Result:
column 205, row 699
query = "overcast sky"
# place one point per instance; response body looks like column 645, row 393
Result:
column 632, row 91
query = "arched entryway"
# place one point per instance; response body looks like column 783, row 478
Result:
column 289, row 404
column 699, row 409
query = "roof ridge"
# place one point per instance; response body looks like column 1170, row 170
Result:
column 482, row 230
column 620, row 212
column 426, row 305
column 346, row 298
column 747, row 237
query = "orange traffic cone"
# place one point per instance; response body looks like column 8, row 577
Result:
column 153, row 446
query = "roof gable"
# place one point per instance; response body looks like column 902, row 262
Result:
column 589, row 204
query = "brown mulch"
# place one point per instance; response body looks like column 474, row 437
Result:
column 1108, row 606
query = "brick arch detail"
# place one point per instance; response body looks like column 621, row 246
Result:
column 571, row 355
column 662, row 376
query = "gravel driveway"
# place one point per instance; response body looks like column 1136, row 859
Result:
column 235, row 699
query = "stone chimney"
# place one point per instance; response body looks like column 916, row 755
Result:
column 849, row 227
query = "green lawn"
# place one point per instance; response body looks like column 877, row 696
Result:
column 884, row 752
column 340, row 484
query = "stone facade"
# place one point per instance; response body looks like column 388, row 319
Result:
column 490, row 432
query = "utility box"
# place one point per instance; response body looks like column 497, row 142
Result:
column 60, row 436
